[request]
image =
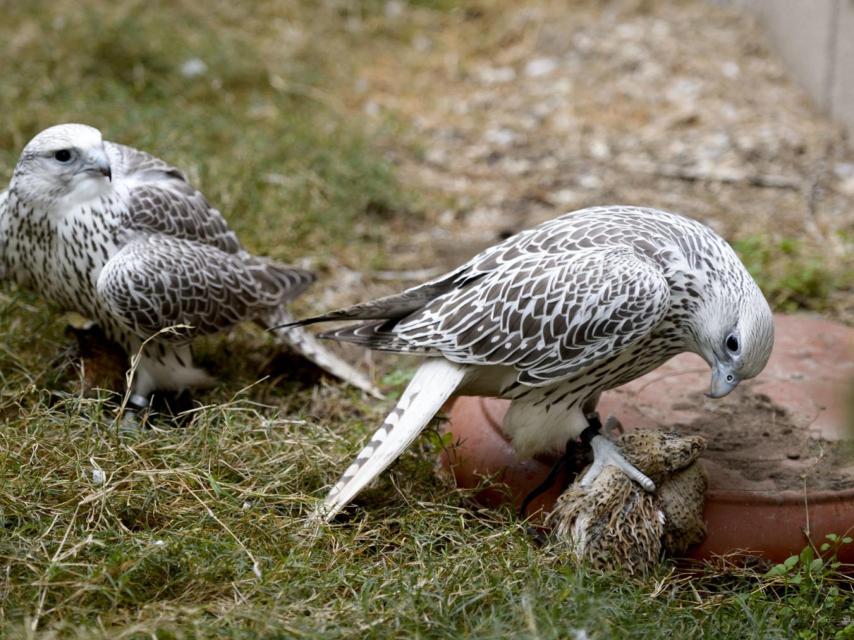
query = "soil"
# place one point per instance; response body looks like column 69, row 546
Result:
column 515, row 114
column 760, row 447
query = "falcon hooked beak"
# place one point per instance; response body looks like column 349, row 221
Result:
column 98, row 163
column 724, row 379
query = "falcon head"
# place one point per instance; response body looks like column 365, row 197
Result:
column 737, row 338
column 67, row 161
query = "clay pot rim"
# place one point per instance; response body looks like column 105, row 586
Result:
column 754, row 496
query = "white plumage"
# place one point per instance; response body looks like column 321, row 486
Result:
column 555, row 315
column 121, row 237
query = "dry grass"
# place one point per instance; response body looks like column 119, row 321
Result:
column 200, row 530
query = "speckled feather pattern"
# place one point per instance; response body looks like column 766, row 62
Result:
column 578, row 305
column 557, row 297
column 3, row 200
column 149, row 254
column 145, row 252
column 555, row 315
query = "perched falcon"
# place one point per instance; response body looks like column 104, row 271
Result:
column 121, row 237
column 552, row 317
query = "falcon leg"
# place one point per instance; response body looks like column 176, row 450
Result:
column 605, row 453
column 576, row 456
column 137, row 404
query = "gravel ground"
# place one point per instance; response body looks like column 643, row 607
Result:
column 515, row 114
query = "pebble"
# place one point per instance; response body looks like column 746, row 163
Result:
column 495, row 75
column 193, row 68
column 539, row 67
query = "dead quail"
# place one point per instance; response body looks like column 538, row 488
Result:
column 612, row 523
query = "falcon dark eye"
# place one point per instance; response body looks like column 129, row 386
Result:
column 732, row 343
column 63, row 155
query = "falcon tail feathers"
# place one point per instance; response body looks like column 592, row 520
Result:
column 307, row 346
column 433, row 383
column 287, row 324
column 375, row 335
column 394, row 306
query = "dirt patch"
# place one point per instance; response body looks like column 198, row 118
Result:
column 754, row 445
column 521, row 112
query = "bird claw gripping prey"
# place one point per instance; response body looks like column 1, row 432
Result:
column 605, row 452
column 577, row 455
column 612, row 523
column 123, row 238
column 552, row 317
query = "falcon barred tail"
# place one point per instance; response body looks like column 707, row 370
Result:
column 555, row 315
column 307, row 346
column 432, row 385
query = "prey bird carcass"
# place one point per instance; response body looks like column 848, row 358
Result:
column 124, row 239
column 552, row 317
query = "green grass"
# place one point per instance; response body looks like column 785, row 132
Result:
column 201, row 531
column 790, row 276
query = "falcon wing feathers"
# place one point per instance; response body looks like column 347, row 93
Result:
column 157, row 281
column 160, row 200
column 548, row 315
column 3, row 198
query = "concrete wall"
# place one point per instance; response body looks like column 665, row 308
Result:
column 815, row 38
column 842, row 84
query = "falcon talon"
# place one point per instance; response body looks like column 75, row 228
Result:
column 607, row 453
column 138, row 402
column 613, row 428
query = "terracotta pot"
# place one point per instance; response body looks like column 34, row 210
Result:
column 808, row 378
column 751, row 522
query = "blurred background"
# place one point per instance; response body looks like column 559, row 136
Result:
column 381, row 141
